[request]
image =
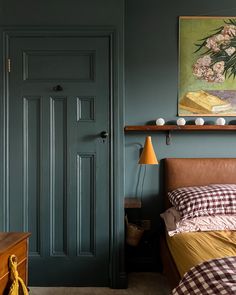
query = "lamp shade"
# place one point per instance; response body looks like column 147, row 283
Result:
column 148, row 155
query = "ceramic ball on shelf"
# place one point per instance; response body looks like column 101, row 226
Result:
column 220, row 121
column 181, row 122
column 199, row 121
column 160, row 121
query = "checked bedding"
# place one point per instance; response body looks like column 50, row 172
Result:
column 216, row 276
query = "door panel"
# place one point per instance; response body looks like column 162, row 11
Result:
column 59, row 99
column 55, row 65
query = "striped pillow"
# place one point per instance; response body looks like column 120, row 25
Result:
column 215, row 199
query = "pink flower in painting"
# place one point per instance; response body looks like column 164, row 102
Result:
column 207, row 72
column 198, row 71
column 219, row 67
column 212, row 44
column 227, row 38
column 209, row 75
column 229, row 30
column 216, row 41
column 219, row 78
column 217, row 61
column 204, row 61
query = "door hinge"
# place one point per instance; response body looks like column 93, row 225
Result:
column 9, row 65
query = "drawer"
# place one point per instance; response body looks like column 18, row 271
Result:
column 4, row 281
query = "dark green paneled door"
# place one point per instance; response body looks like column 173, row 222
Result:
column 59, row 103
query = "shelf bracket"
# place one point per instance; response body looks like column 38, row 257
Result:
column 168, row 138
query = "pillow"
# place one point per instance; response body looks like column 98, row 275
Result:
column 171, row 216
column 175, row 225
column 204, row 200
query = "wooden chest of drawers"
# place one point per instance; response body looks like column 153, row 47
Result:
column 17, row 244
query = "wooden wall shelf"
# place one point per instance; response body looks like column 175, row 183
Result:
column 170, row 128
column 180, row 128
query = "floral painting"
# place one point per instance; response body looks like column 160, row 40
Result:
column 207, row 66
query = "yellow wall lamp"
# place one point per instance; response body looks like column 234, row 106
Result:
column 148, row 155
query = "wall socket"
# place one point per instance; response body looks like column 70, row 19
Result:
column 146, row 224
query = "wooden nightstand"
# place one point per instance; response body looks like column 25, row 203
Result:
column 132, row 203
column 144, row 256
column 13, row 243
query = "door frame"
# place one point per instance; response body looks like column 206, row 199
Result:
column 117, row 274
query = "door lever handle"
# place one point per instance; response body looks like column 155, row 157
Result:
column 104, row 134
column 57, row 88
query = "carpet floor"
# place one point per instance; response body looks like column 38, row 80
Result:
column 139, row 284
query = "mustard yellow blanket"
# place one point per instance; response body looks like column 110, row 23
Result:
column 190, row 249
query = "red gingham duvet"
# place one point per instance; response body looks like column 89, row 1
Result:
column 216, row 277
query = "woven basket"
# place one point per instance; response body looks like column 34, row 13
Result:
column 134, row 233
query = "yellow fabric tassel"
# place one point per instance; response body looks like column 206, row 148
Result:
column 18, row 286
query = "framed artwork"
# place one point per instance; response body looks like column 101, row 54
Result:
column 207, row 66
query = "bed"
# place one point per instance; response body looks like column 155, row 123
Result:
column 187, row 250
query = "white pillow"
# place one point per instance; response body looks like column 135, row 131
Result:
column 171, row 216
column 174, row 224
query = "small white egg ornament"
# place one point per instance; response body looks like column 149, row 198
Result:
column 181, row 122
column 199, row 121
column 220, row 121
column 160, row 121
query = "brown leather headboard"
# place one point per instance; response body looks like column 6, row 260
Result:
column 181, row 172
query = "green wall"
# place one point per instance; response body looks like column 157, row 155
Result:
column 151, row 67
column 62, row 12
